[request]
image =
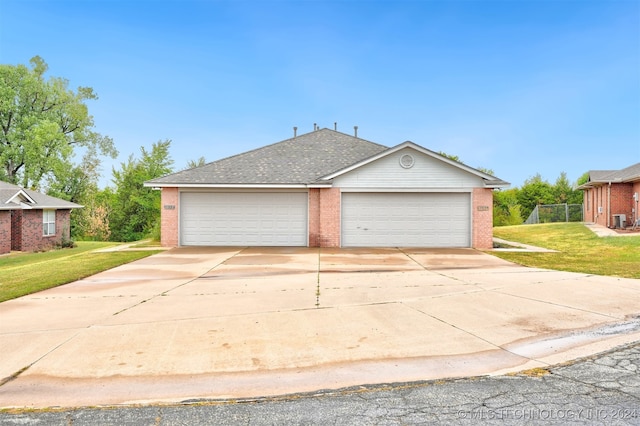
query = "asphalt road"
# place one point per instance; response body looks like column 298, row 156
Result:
column 602, row 389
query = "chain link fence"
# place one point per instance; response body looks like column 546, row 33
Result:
column 548, row 213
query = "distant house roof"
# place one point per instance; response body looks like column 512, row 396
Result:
column 14, row 197
column 306, row 160
column 600, row 177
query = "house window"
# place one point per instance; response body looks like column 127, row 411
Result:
column 48, row 222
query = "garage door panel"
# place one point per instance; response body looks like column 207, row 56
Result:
column 258, row 219
column 406, row 219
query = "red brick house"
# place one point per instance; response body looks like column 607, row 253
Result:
column 31, row 221
column 611, row 197
column 329, row 189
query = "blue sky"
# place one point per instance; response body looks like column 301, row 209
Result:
column 520, row 87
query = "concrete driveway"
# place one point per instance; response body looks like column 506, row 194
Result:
column 196, row 323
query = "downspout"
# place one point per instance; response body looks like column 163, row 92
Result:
column 609, row 205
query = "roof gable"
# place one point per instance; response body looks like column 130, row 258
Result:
column 450, row 167
column 301, row 160
column 14, row 197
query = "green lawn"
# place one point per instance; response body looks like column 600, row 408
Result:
column 26, row 273
column 580, row 250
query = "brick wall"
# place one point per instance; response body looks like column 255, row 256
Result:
column 482, row 212
column 169, row 217
column 32, row 238
column 16, row 230
column 5, row 231
column 329, row 217
column 635, row 204
column 314, row 217
column 621, row 201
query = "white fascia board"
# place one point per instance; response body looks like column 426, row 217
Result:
column 24, row 194
column 320, row 185
column 222, row 185
column 56, row 207
column 409, row 190
column 497, row 185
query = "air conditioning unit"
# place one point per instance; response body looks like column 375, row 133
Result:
column 619, row 221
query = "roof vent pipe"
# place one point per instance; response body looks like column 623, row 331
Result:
column 295, row 132
column 355, row 130
column 335, row 126
column 315, row 127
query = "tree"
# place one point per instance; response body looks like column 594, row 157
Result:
column 584, row 178
column 41, row 123
column 506, row 210
column 192, row 164
column 135, row 209
column 534, row 191
column 487, row 171
column 450, row 157
column 562, row 190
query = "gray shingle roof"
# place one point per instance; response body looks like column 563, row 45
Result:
column 42, row 201
column 300, row 160
column 628, row 174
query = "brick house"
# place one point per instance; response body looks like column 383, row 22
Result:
column 611, row 197
column 329, row 189
column 32, row 221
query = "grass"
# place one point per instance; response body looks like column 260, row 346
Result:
column 26, row 273
column 579, row 249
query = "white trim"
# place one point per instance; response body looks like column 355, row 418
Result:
column 24, row 194
column 48, row 223
column 408, row 190
column 242, row 190
column 224, row 185
column 418, row 148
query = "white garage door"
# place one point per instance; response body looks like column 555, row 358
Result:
column 243, row 219
column 406, row 220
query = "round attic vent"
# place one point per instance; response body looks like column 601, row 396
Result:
column 407, row 161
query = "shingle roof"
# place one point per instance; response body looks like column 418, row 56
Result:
column 628, row 174
column 300, row 160
column 9, row 201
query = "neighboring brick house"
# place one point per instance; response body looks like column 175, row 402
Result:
column 329, row 189
column 31, row 221
column 611, row 197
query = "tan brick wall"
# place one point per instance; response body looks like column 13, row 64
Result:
column 482, row 213
column 169, row 217
column 314, row 217
column 5, row 231
column 329, row 217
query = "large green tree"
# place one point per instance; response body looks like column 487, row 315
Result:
column 134, row 208
column 42, row 122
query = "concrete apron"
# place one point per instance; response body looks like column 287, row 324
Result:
column 211, row 323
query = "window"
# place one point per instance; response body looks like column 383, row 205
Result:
column 48, row 222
